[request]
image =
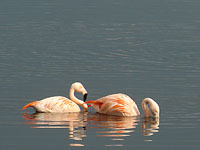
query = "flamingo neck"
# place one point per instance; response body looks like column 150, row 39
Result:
column 76, row 100
column 146, row 110
column 150, row 107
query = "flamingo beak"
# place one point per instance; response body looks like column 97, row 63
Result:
column 85, row 97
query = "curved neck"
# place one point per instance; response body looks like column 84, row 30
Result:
column 146, row 110
column 150, row 107
column 73, row 97
column 76, row 100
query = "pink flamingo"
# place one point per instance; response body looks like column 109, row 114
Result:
column 123, row 105
column 60, row 104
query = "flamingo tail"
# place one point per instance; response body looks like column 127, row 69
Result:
column 30, row 105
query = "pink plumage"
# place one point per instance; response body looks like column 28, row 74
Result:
column 115, row 104
column 59, row 104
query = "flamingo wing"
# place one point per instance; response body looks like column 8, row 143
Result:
column 115, row 104
column 57, row 104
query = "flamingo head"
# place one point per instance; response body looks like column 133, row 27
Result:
column 78, row 87
column 153, row 108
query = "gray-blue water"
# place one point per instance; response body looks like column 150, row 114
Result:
column 143, row 48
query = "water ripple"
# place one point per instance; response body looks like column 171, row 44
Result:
column 79, row 124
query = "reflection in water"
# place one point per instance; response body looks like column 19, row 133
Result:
column 72, row 121
column 115, row 128
column 76, row 145
column 150, row 126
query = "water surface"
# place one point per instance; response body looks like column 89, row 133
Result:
column 146, row 48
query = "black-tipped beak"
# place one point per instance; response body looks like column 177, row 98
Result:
column 85, row 97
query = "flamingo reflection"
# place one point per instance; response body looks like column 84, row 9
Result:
column 117, row 126
column 150, row 126
column 75, row 122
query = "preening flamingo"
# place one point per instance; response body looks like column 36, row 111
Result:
column 115, row 104
column 60, row 104
column 123, row 105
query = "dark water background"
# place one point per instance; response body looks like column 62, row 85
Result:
column 146, row 48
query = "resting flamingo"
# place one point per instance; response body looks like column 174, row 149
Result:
column 123, row 105
column 60, row 104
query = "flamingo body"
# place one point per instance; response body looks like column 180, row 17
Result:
column 60, row 104
column 115, row 104
column 56, row 104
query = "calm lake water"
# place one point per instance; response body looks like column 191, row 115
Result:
column 143, row 48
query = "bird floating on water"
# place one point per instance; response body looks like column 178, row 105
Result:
column 122, row 105
column 60, row 104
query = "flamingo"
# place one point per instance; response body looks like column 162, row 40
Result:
column 122, row 105
column 60, row 104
